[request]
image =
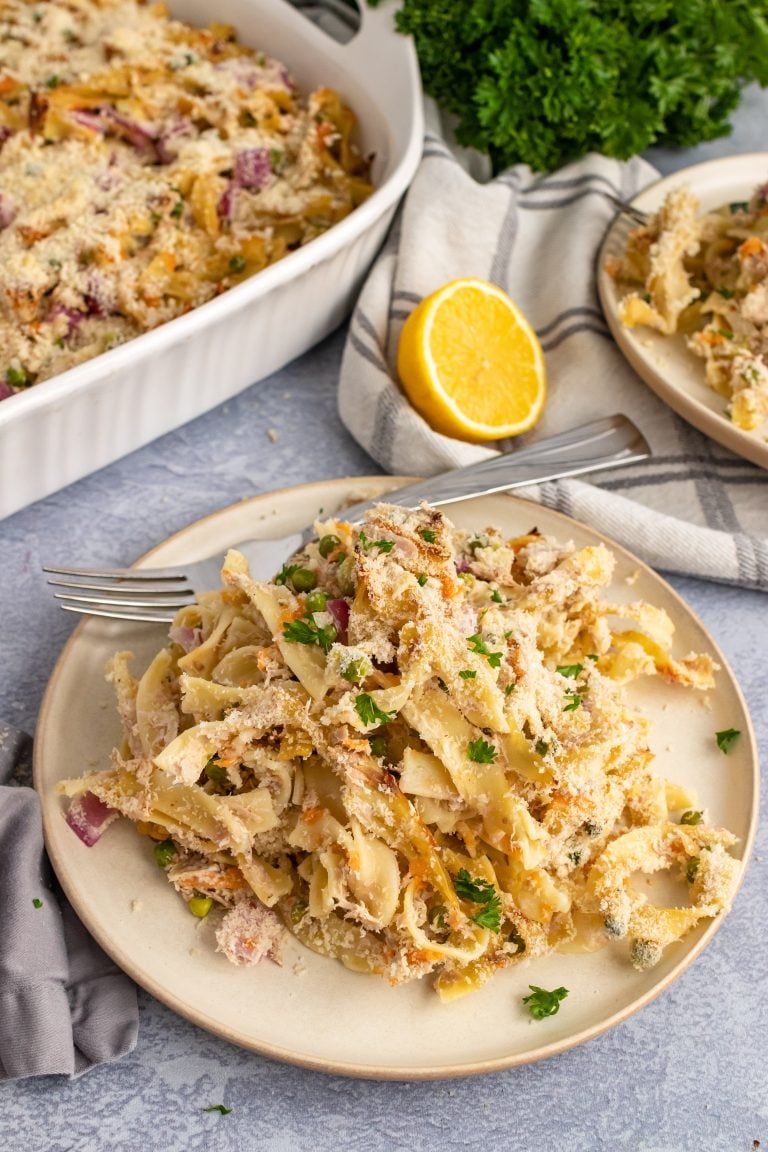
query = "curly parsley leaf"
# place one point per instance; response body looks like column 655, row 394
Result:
column 546, row 81
column 369, row 711
column 477, row 644
column 428, row 535
column 570, row 670
column 481, row 752
column 726, row 738
column 307, row 632
column 691, row 817
column 574, row 701
column 36, row 903
column 382, row 545
column 467, row 674
column 542, row 1003
column 218, row 1108
column 480, row 891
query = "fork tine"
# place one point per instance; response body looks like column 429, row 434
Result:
column 147, row 588
column 158, row 617
column 136, row 601
column 116, row 574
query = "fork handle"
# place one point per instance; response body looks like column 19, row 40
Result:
column 606, row 443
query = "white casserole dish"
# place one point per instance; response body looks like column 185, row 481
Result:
column 83, row 419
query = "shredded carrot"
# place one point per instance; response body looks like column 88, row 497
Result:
column 312, row 815
column 751, row 247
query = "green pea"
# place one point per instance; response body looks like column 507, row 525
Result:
column 200, row 906
column 691, row 817
column 316, row 601
column 303, row 580
column 164, row 852
column 378, row 746
column 357, row 670
column 329, row 544
column 299, row 911
column 215, row 772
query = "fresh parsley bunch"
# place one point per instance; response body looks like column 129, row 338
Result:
column 544, row 81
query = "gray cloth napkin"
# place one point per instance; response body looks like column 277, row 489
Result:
column 696, row 508
column 64, row 1006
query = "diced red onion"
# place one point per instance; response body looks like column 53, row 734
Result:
column 73, row 316
column 88, row 119
column 253, row 168
column 5, row 390
column 187, row 638
column 224, row 207
column 338, row 610
column 5, row 134
column 462, row 566
column 89, row 817
column 143, row 139
column 8, row 213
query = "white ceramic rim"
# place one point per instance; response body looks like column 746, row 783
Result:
column 741, row 174
column 341, row 488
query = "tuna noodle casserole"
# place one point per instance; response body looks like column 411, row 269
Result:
column 145, row 167
column 707, row 277
column 414, row 750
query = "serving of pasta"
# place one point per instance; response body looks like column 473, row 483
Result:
column 146, row 167
column 706, row 276
column 414, row 750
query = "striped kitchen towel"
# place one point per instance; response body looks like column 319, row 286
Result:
column 695, row 508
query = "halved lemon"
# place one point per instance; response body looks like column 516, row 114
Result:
column 471, row 364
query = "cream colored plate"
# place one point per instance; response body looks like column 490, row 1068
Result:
column 312, row 1011
column 664, row 363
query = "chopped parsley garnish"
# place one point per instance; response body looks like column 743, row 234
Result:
column 177, row 209
column 691, row 817
column 726, row 293
column 480, row 891
column 467, row 674
column 481, row 752
column 421, row 579
column 517, row 939
column 692, row 868
column 437, row 917
column 542, row 1003
column 218, row 1108
column 37, row 903
column 477, row 644
column 16, row 377
column 307, row 632
column 237, row 264
column 574, row 700
column 216, row 772
column 592, row 656
column 570, row 670
column 542, row 747
column 382, row 545
column 286, row 572
column 497, row 597
column 428, row 535
column 369, row 711
column 299, row 911
column 726, row 738
column 53, row 81
column 509, row 689
column 378, row 746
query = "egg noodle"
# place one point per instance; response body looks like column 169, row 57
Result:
column 146, row 167
column 706, row 276
column 414, row 746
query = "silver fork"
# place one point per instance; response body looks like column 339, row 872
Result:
column 156, row 594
